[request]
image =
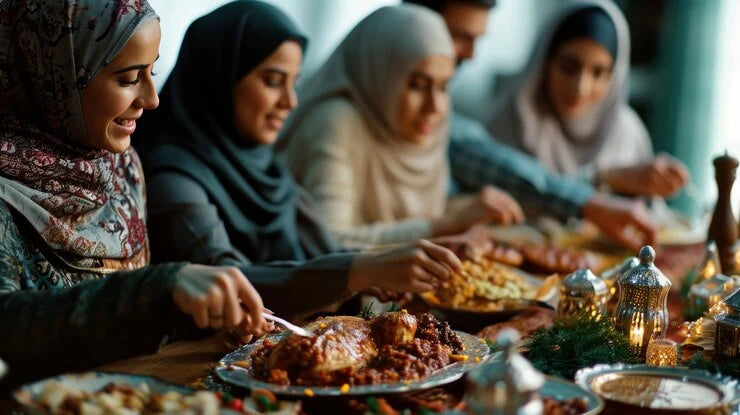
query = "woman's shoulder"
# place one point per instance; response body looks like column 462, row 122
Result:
column 173, row 187
column 18, row 254
column 338, row 105
column 26, row 264
column 630, row 126
column 10, row 235
column 334, row 117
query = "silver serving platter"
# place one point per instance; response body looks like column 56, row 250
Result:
column 660, row 389
column 561, row 389
column 475, row 347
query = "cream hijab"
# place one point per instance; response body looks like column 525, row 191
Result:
column 369, row 68
column 610, row 135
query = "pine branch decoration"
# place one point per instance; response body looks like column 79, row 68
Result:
column 574, row 344
column 727, row 368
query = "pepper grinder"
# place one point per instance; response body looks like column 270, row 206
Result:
column 723, row 229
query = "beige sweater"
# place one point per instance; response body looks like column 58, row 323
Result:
column 334, row 167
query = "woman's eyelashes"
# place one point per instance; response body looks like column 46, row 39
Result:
column 573, row 67
column 569, row 66
column 129, row 82
column 125, row 82
column 276, row 80
column 420, row 83
column 600, row 71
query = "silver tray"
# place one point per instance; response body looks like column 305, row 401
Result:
column 561, row 389
column 475, row 348
column 660, row 389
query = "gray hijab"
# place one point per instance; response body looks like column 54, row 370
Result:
column 369, row 68
column 610, row 135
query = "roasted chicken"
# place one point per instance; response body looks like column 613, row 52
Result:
column 355, row 350
column 340, row 343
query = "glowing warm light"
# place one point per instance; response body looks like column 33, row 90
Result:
column 637, row 330
column 709, row 270
column 661, row 352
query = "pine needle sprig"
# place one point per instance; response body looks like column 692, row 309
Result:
column 574, row 344
column 727, row 367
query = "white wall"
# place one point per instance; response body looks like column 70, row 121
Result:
column 726, row 132
column 325, row 22
column 505, row 48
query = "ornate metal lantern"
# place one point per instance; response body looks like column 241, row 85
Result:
column 642, row 309
column 611, row 276
column 727, row 335
column 582, row 292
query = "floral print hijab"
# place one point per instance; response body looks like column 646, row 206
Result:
column 86, row 204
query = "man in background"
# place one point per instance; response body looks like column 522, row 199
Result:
column 477, row 160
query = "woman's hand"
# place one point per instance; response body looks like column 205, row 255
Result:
column 472, row 244
column 489, row 205
column 416, row 268
column 626, row 221
column 663, row 176
column 220, row 297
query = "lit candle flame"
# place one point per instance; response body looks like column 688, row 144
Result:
column 637, row 330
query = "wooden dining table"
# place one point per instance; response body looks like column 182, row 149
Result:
column 189, row 362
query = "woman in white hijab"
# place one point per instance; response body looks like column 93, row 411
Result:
column 569, row 107
column 369, row 139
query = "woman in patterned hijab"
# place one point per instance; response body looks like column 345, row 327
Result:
column 85, row 201
column 74, row 77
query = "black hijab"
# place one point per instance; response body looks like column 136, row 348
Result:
column 193, row 131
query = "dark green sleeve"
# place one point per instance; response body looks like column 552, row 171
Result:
column 123, row 315
column 183, row 224
column 297, row 289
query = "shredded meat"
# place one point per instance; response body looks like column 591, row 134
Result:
column 389, row 348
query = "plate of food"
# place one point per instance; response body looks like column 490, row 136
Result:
column 389, row 353
column 659, row 390
column 563, row 397
column 487, row 292
column 122, row 393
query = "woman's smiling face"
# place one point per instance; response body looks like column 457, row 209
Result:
column 264, row 97
column 120, row 93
